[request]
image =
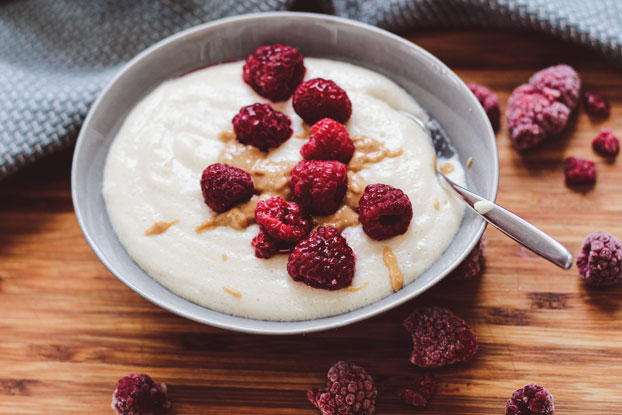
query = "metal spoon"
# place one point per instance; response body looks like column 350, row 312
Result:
column 507, row 222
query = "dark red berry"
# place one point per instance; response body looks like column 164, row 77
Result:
column 225, row 186
column 282, row 220
column 266, row 246
column 560, row 83
column 440, row 338
column 579, row 171
column 319, row 185
column 322, row 260
column 420, row 392
column 473, row 264
column 596, row 105
column 531, row 399
column 318, row 98
column 274, row 71
column 261, row 126
column 489, row 101
column 384, row 211
column 606, row 144
column 138, row 394
column 329, row 141
column 600, row 259
column 349, row 391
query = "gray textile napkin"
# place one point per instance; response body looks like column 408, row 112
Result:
column 56, row 55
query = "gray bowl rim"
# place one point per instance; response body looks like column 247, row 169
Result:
column 266, row 327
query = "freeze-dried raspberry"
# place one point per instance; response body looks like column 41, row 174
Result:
column 261, row 126
column 420, row 392
column 579, row 171
column 596, row 105
column 137, row 394
column 600, row 259
column 318, row 98
column 224, row 186
column 489, row 101
column 349, row 391
column 384, row 211
column 606, row 144
column 319, row 185
column 440, row 338
column 560, row 83
column 473, row 264
column 282, row 220
column 329, row 141
column 266, row 246
column 274, row 71
column 322, row 260
column 531, row 399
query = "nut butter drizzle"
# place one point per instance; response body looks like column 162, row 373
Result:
column 160, row 227
column 395, row 274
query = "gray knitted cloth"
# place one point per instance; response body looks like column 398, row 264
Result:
column 56, row 55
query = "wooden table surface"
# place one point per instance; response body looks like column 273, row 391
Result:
column 69, row 329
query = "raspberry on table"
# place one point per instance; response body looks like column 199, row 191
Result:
column 606, row 144
column 489, row 101
column 323, row 260
column 384, row 211
column 600, row 259
column 560, row 83
column 225, row 186
column 420, row 392
column 531, row 399
column 266, row 246
column 282, row 220
column 329, row 141
column 138, row 394
column 473, row 264
column 274, row 71
column 440, row 338
column 319, row 186
column 319, row 98
column 349, row 391
column 262, row 126
column 579, row 171
column 595, row 105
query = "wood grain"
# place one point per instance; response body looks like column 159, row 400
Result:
column 69, row 329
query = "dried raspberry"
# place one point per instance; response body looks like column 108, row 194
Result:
column 473, row 264
column 420, row 393
column 319, row 186
column 261, row 126
column 596, row 105
column 600, row 259
column 224, row 186
column 349, row 391
column 579, row 171
column 440, row 338
column 139, row 395
column 489, row 101
column 266, row 246
column 531, row 399
column 274, row 71
column 282, row 220
column 329, row 141
column 322, row 260
column 606, row 144
column 318, row 98
column 384, row 211
column 560, row 83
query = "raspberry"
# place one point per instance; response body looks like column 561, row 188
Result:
column 600, row 259
column 440, row 338
column 224, row 186
column 266, row 246
column 606, row 144
column 139, row 395
column 282, row 220
column 318, row 98
column 322, row 260
column 473, row 264
column 349, row 391
column 489, row 101
column 261, row 126
column 319, row 186
column 596, row 105
column 531, row 399
column 329, row 141
column 420, row 393
column 384, row 211
column 579, row 171
column 560, row 83
column 274, row 71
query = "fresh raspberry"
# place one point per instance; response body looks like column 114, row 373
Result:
column 318, row 98
column 600, row 259
column 420, row 393
column 596, row 105
column 440, row 338
column 224, row 186
column 560, row 83
column 322, row 260
column 261, row 126
column 489, row 101
column 266, row 246
column 139, row 395
column 319, row 185
column 473, row 264
column 329, row 141
column 579, row 171
column 282, row 220
column 606, row 144
column 274, row 71
column 531, row 399
column 384, row 211
column 349, row 391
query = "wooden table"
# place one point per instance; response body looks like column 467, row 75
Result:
column 69, row 329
